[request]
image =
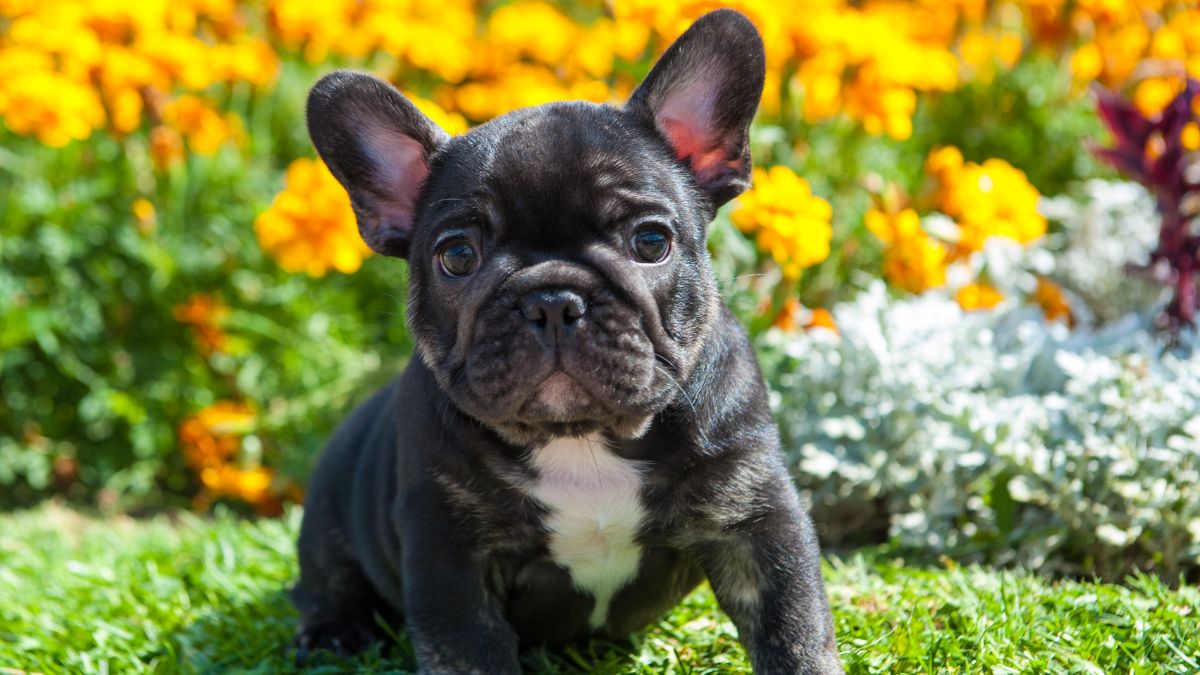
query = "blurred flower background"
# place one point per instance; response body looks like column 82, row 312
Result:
column 978, row 335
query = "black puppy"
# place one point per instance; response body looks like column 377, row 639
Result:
column 585, row 435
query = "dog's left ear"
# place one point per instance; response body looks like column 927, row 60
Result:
column 701, row 97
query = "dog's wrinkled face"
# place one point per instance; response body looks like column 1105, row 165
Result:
column 559, row 279
column 560, row 283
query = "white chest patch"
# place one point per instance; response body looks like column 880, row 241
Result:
column 595, row 509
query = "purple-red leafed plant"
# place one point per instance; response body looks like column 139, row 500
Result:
column 1152, row 152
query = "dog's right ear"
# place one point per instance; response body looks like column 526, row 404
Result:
column 377, row 144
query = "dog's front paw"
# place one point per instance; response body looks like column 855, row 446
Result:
column 342, row 639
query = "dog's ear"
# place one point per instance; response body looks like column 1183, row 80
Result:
column 702, row 95
column 377, row 144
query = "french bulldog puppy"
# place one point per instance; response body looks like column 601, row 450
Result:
column 585, row 434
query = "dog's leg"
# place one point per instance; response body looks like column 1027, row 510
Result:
column 337, row 603
column 456, row 625
column 336, row 600
column 765, row 570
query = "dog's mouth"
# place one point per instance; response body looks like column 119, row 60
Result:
column 560, row 397
column 560, row 404
column 597, row 372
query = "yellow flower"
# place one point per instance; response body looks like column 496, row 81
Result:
column 315, row 26
column 249, row 485
column 518, row 86
column 593, row 52
column 252, row 485
column 976, row 296
column 793, row 316
column 119, row 58
column 450, row 122
column 789, row 222
column 992, row 199
column 869, row 62
column 982, row 51
column 51, row 106
column 943, row 164
column 1087, row 63
column 1113, row 54
column 894, row 228
column 821, row 80
column 252, row 61
column 310, row 226
column 1190, row 136
column 916, row 265
column 205, row 129
column 532, row 29
column 1153, row 94
column 880, row 107
column 145, row 215
column 912, row 260
column 125, row 110
column 444, row 43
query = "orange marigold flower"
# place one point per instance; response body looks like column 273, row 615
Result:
column 249, row 485
column 205, row 129
column 166, row 146
column 993, row 199
column 251, row 61
column 310, row 226
column 204, row 313
column 533, row 29
column 896, row 227
column 916, row 265
column 1053, row 301
column 912, row 260
column 1153, row 94
column 788, row 221
column 1190, row 136
column 821, row 318
column 977, row 296
column 51, row 106
column 868, row 62
column 213, row 435
column 984, row 51
column 450, row 122
column 212, row 441
column 793, row 315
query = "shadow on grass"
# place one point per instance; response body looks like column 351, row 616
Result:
column 255, row 637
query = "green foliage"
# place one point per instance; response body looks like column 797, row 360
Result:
column 96, row 372
column 1028, row 116
column 188, row 595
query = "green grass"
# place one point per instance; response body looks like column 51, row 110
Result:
column 187, row 594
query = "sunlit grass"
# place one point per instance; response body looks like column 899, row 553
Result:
column 186, row 594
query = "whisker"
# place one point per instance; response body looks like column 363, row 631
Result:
column 682, row 392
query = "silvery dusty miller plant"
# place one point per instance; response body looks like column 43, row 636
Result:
column 997, row 436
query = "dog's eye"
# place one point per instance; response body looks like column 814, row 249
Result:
column 651, row 244
column 458, row 258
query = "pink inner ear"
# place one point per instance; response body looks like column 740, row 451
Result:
column 402, row 172
column 685, row 118
column 707, row 156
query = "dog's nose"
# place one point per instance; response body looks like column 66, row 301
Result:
column 553, row 313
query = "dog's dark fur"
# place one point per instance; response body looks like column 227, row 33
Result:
column 424, row 507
